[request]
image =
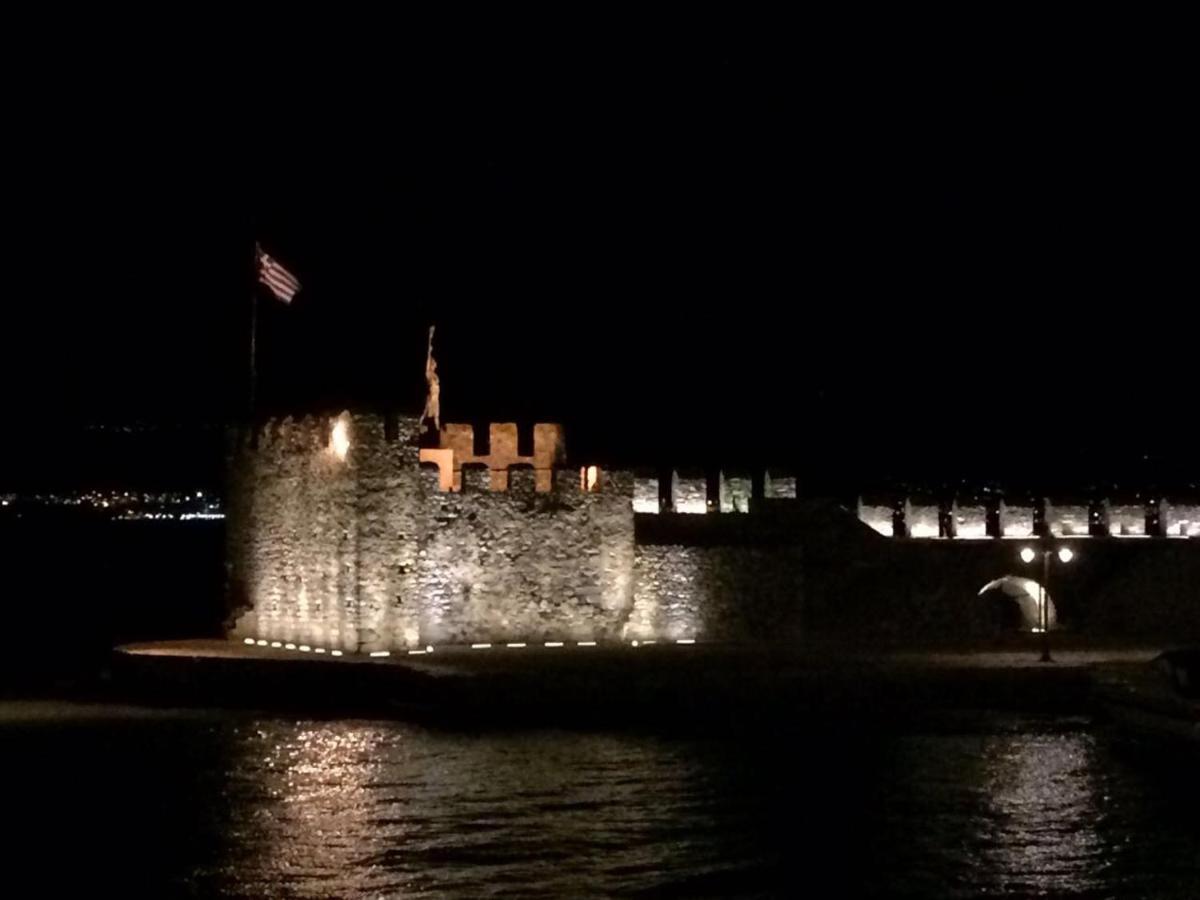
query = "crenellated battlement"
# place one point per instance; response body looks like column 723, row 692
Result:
column 368, row 444
column 699, row 492
column 523, row 481
column 455, row 466
column 456, row 452
column 1063, row 517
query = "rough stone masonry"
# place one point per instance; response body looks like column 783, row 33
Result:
column 370, row 552
column 345, row 534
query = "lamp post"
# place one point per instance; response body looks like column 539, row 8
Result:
column 1028, row 555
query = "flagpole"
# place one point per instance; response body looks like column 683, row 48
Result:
column 254, row 348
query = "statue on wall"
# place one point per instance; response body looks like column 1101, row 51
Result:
column 433, row 398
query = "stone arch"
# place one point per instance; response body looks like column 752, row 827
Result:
column 1015, row 600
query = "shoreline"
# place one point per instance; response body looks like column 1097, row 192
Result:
column 717, row 686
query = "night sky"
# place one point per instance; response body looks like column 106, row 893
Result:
column 877, row 266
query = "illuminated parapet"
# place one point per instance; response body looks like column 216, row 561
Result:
column 1016, row 521
column 779, row 485
column 1068, row 519
column 735, row 492
column 456, row 450
column 969, row 520
column 922, row 519
column 879, row 516
column 689, row 492
column 1126, row 519
column 1180, row 519
column 645, row 493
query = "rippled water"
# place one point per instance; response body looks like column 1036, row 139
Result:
column 197, row 804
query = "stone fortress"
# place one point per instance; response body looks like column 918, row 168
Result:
column 346, row 534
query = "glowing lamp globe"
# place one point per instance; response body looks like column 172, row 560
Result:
column 1027, row 555
column 1065, row 554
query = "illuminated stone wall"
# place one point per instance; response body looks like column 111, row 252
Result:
column 779, row 486
column 1180, row 519
column 500, row 567
column 715, row 591
column 736, row 489
column 1126, row 519
column 1016, row 520
column 921, row 519
column 293, row 544
column 689, row 492
column 970, row 521
column 1071, row 520
column 645, row 494
column 879, row 517
column 1175, row 518
column 367, row 553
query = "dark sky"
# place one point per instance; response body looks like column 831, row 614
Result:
column 888, row 264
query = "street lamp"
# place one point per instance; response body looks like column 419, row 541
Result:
column 1028, row 555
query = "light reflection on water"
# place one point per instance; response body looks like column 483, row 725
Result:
column 321, row 809
column 1039, row 829
column 377, row 809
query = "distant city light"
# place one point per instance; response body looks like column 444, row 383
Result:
column 381, row 653
column 335, row 652
column 249, row 641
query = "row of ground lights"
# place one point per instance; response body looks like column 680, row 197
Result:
column 521, row 644
column 305, row 648
column 279, row 645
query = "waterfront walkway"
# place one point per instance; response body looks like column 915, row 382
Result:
column 465, row 659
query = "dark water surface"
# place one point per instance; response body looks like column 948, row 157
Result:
column 135, row 802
